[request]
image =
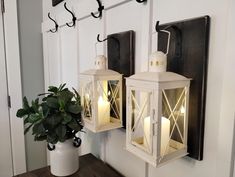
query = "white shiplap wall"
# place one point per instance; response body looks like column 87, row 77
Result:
column 71, row 51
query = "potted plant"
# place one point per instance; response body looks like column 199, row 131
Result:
column 56, row 118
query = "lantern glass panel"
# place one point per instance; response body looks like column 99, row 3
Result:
column 87, row 95
column 173, row 120
column 141, row 134
column 108, row 104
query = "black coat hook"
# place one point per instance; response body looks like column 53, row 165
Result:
column 56, row 25
column 141, row 1
column 98, row 38
column 100, row 10
column 108, row 38
column 74, row 18
column 157, row 27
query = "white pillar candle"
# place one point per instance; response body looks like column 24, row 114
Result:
column 103, row 111
column 147, row 132
column 165, row 135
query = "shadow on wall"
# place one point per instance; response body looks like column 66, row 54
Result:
column 91, row 143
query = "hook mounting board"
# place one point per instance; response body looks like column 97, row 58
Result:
column 55, row 2
column 188, row 56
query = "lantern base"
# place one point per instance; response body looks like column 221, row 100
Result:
column 175, row 151
column 113, row 124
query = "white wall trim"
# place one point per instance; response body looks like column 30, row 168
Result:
column 14, row 85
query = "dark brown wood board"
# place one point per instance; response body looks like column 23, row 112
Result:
column 55, row 2
column 89, row 166
column 121, row 51
column 188, row 56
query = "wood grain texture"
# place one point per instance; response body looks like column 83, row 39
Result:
column 121, row 58
column 188, row 56
column 90, row 166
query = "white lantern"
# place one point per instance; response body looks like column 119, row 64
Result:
column 101, row 97
column 157, row 113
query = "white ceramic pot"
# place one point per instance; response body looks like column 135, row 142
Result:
column 64, row 159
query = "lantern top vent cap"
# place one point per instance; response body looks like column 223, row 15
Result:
column 101, row 72
column 158, row 77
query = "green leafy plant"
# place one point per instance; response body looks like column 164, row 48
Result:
column 56, row 118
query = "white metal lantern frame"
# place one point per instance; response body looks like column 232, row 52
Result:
column 157, row 85
column 91, row 81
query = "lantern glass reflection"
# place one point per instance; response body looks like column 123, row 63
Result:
column 140, row 119
column 108, row 101
column 173, row 120
column 87, row 95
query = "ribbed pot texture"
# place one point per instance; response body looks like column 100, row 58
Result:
column 64, row 159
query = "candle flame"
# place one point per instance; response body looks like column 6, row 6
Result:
column 101, row 100
column 87, row 96
column 182, row 110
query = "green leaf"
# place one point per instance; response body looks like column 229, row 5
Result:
column 25, row 103
column 62, row 86
column 33, row 118
column 77, row 96
column 54, row 120
column 67, row 118
column 75, row 126
column 52, row 102
column 45, row 109
column 45, row 98
column 40, row 138
column 65, row 96
column 39, row 129
column 75, row 109
column 21, row 113
column 61, row 131
column 35, row 105
column 52, row 138
column 62, row 105
column 53, row 89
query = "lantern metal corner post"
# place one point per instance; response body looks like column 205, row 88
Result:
column 101, row 93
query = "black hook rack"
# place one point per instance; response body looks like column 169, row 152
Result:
column 56, row 25
column 100, row 10
column 73, row 19
column 141, row 1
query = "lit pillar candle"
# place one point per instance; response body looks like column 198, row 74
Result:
column 147, row 132
column 165, row 135
column 103, row 111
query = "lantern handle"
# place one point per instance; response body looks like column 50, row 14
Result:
column 178, row 40
column 164, row 31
